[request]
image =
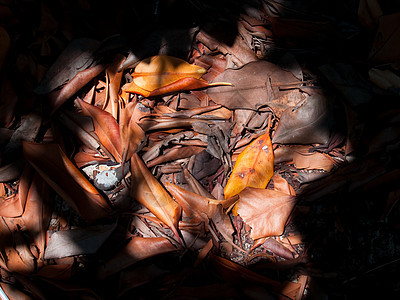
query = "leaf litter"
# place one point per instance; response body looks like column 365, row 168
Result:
column 244, row 149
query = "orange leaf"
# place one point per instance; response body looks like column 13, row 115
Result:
column 158, row 71
column 150, row 193
column 265, row 211
column 162, row 74
column 106, row 128
column 66, row 179
column 253, row 168
column 184, row 84
column 137, row 249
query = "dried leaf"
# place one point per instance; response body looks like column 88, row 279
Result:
column 385, row 79
column 164, row 74
column 281, row 185
column 265, row 211
column 14, row 205
column 58, row 97
column 76, row 57
column 309, row 122
column 37, row 213
column 132, row 135
column 77, row 241
column 137, row 249
column 106, row 128
column 64, row 177
column 314, row 160
column 4, row 45
column 277, row 248
column 387, row 38
column 255, row 84
column 150, row 193
column 253, row 168
column 194, row 205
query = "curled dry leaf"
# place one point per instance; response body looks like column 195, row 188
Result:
column 66, row 179
column 137, row 249
column 105, row 127
column 309, row 122
column 253, row 168
column 150, row 193
column 265, row 211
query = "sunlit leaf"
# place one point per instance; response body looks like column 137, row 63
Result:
column 253, row 168
column 164, row 74
column 106, row 128
column 66, row 179
column 265, row 211
column 150, row 193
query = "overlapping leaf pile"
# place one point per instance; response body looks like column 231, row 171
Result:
column 184, row 175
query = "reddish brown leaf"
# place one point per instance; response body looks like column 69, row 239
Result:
column 265, row 211
column 137, row 249
column 150, row 193
column 37, row 213
column 106, row 128
column 64, row 177
column 58, row 98
column 132, row 135
column 314, row 160
column 14, row 205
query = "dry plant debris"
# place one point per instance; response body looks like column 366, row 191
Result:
column 199, row 149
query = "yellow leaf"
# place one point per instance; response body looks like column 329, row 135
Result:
column 158, row 71
column 253, row 168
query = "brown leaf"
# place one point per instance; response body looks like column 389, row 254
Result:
column 4, row 45
column 193, row 204
column 77, row 241
column 309, row 122
column 14, row 205
column 281, row 185
column 137, row 249
column 37, row 213
column 265, row 211
column 255, row 84
column 149, row 192
column 76, row 57
column 313, row 160
column 58, row 97
column 64, row 177
column 132, row 135
column 106, row 128
column 387, row 38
